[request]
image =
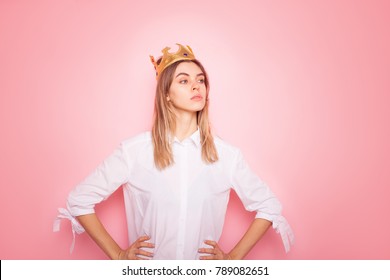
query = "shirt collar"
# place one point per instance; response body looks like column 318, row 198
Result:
column 194, row 138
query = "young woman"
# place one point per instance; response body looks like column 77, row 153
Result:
column 176, row 179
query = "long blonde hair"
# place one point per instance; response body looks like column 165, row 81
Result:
column 164, row 121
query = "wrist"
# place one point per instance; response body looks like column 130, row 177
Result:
column 119, row 255
column 233, row 256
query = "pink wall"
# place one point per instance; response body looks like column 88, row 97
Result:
column 301, row 87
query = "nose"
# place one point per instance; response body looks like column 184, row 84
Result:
column 195, row 86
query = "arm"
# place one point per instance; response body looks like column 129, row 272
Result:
column 99, row 234
column 256, row 196
column 99, row 185
column 254, row 233
column 103, row 239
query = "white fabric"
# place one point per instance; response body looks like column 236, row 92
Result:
column 184, row 204
column 76, row 227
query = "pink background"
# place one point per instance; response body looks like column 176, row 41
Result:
column 302, row 87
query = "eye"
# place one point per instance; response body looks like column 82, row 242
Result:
column 183, row 82
column 201, row 81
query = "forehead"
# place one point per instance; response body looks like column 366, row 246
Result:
column 188, row 67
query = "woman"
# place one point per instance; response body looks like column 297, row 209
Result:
column 176, row 179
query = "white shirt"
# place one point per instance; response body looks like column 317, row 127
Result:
column 180, row 206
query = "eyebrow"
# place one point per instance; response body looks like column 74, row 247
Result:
column 185, row 74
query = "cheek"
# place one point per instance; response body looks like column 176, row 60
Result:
column 172, row 93
column 179, row 92
column 177, row 96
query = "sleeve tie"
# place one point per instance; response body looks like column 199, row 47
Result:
column 282, row 227
column 76, row 227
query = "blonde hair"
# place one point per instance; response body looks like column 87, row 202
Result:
column 164, row 121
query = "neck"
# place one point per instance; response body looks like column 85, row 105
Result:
column 186, row 125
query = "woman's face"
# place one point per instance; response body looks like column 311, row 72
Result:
column 188, row 90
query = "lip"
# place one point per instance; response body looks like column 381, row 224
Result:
column 197, row 97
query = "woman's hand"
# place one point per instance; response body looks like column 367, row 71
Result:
column 134, row 252
column 214, row 253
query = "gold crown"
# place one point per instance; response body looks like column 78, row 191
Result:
column 184, row 53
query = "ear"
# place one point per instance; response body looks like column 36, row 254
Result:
column 168, row 98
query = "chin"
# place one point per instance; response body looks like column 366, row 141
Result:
column 200, row 107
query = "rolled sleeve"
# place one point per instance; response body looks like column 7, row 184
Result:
column 98, row 186
column 256, row 196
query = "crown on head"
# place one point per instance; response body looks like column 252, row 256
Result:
column 184, row 53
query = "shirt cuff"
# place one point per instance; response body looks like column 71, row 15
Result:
column 281, row 226
column 76, row 227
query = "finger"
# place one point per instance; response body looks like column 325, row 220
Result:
column 146, row 244
column 143, row 259
column 143, row 238
column 143, row 253
column 211, row 243
column 209, row 257
column 207, row 250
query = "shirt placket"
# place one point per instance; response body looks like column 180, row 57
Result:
column 183, row 200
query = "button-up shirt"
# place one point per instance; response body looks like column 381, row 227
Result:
column 182, row 205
